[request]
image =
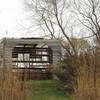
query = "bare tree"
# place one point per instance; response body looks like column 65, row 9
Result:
column 88, row 13
column 54, row 17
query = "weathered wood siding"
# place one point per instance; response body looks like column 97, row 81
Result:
column 1, row 54
column 8, row 44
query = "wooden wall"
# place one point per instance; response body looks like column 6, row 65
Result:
column 7, row 45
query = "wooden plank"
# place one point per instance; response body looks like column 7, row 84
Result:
column 30, row 61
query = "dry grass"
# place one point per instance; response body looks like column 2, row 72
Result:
column 10, row 86
column 88, row 80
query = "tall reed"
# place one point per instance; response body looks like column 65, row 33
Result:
column 10, row 86
column 88, row 79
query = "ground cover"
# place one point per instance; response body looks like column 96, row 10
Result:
column 46, row 90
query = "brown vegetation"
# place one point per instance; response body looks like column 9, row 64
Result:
column 88, row 79
column 10, row 86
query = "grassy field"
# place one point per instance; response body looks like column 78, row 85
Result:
column 46, row 90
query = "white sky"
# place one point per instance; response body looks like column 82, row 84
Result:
column 12, row 19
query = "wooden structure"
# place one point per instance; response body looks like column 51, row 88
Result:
column 32, row 56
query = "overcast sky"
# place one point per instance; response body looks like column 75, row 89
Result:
column 13, row 19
